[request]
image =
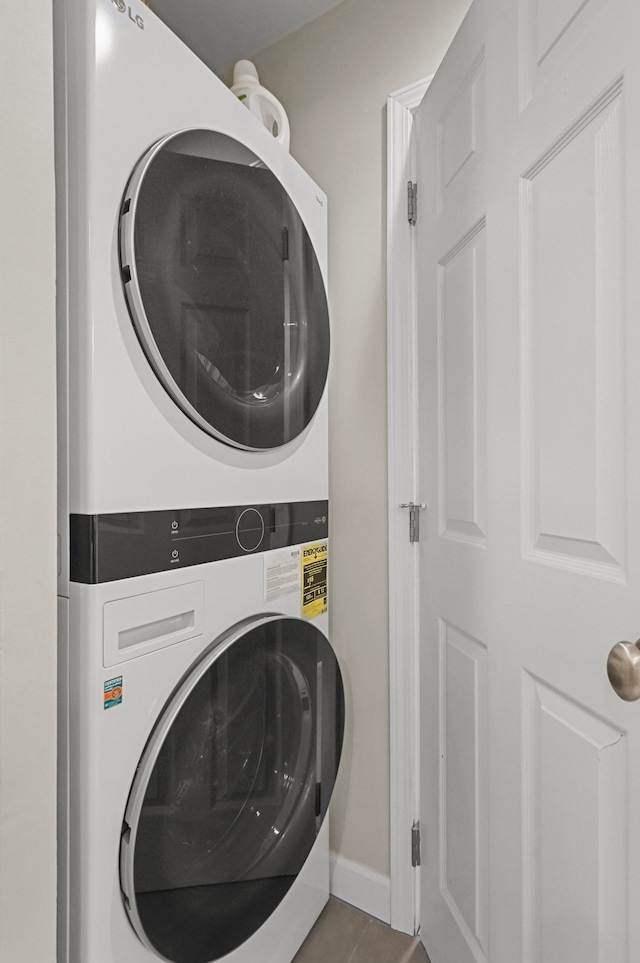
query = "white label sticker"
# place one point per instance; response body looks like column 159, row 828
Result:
column 281, row 573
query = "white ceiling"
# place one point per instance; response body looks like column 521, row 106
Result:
column 223, row 31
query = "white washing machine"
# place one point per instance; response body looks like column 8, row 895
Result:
column 201, row 726
column 192, row 282
column 201, row 706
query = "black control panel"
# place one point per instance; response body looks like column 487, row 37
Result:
column 105, row 548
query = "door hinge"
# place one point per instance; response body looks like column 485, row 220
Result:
column 412, row 202
column 415, row 844
column 414, row 519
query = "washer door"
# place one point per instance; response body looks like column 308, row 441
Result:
column 231, row 789
column 224, row 289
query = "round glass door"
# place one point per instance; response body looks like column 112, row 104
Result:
column 232, row 789
column 224, row 289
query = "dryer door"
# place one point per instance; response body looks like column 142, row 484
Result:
column 224, row 289
column 231, row 789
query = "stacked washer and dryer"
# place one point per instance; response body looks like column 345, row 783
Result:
column 201, row 705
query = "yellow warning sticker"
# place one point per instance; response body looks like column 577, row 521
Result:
column 314, row 580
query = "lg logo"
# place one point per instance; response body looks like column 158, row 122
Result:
column 122, row 7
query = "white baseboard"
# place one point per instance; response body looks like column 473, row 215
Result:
column 361, row 887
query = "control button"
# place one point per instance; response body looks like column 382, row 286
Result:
column 250, row 530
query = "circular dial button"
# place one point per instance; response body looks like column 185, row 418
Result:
column 250, row 530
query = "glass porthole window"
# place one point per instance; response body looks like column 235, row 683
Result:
column 232, row 789
column 224, row 289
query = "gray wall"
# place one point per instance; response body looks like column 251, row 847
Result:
column 333, row 77
column 27, row 488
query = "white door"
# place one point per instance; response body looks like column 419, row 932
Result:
column 528, row 267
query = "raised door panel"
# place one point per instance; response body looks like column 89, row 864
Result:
column 462, row 389
column 574, row 347
column 549, row 30
column 575, row 814
column 463, row 781
column 460, row 132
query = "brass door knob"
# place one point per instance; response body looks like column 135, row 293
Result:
column 623, row 669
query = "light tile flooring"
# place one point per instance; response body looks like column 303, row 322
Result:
column 344, row 934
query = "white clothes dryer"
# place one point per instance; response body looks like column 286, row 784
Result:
column 202, row 723
column 194, row 334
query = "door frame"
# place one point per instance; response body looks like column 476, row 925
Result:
column 402, row 468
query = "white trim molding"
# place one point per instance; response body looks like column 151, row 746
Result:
column 361, row 887
column 403, row 487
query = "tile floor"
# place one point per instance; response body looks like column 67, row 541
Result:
column 344, row 934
